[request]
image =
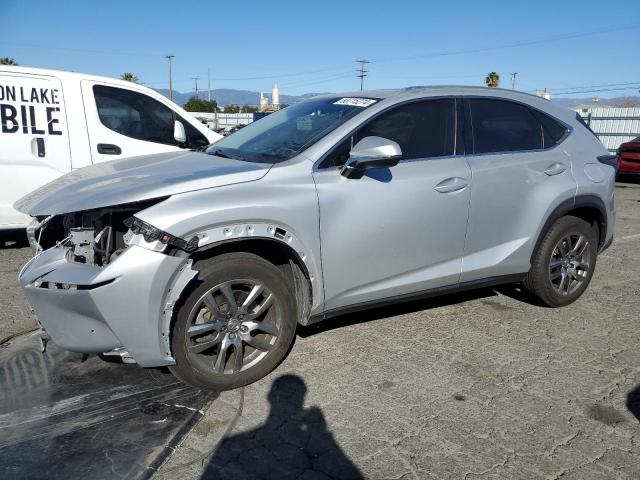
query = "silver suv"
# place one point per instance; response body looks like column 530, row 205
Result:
column 206, row 261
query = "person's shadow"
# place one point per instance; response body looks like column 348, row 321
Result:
column 293, row 443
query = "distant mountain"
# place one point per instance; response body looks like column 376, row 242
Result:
column 227, row 96
column 602, row 102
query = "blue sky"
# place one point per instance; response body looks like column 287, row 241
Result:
column 311, row 46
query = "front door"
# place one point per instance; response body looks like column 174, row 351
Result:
column 401, row 230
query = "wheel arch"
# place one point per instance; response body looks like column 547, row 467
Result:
column 590, row 208
column 279, row 253
column 276, row 251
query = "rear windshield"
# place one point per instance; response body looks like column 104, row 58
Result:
column 283, row 134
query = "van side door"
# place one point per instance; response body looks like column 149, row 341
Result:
column 125, row 122
column 34, row 139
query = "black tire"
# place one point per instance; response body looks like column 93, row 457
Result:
column 239, row 271
column 544, row 280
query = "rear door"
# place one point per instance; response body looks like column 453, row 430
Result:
column 520, row 173
column 125, row 122
column 34, row 139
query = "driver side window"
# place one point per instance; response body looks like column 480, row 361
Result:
column 423, row 129
column 134, row 114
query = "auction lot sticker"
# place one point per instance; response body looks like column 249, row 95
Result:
column 356, row 101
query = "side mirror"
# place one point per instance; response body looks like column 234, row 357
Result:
column 371, row 152
column 179, row 133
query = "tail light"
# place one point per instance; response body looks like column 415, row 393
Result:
column 611, row 160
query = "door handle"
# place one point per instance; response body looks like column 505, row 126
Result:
column 40, row 147
column 109, row 149
column 555, row 169
column 452, row 184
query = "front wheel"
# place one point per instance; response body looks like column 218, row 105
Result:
column 236, row 326
column 564, row 262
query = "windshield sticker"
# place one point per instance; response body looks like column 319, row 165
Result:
column 304, row 123
column 356, row 101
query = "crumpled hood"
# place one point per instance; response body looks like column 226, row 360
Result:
column 135, row 179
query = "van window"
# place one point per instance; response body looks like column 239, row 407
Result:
column 195, row 139
column 423, row 129
column 134, row 114
column 503, row 126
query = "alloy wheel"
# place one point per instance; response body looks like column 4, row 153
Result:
column 570, row 263
column 233, row 326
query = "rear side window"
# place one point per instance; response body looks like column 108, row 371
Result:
column 503, row 126
column 423, row 129
column 134, row 114
column 552, row 130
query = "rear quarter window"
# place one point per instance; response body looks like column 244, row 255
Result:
column 552, row 130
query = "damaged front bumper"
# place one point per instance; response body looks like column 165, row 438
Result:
column 124, row 305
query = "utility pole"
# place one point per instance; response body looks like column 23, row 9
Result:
column 513, row 80
column 169, row 57
column 209, row 84
column 196, row 80
column 362, row 72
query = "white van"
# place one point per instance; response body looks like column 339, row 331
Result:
column 52, row 122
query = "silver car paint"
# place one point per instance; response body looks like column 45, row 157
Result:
column 389, row 233
column 138, row 178
column 414, row 236
column 120, row 305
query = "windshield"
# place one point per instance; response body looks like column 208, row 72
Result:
column 283, row 134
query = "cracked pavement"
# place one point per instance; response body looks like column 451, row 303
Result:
column 479, row 385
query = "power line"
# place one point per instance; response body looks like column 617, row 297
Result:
column 597, row 90
column 82, row 50
column 303, row 83
column 282, row 75
column 522, row 43
column 537, row 41
column 594, row 86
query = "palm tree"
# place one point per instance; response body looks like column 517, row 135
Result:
column 7, row 61
column 492, row 80
column 129, row 77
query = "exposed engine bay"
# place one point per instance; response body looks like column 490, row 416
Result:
column 94, row 237
column 98, row 236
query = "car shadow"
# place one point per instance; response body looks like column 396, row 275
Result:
column 378, row 313
column 627, row 178
column 633, row 402
column 294, row 442
column 13, row 239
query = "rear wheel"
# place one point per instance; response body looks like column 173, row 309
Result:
column 236, row 326
column 564, row 262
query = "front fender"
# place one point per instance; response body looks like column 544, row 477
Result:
column 283, row 207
